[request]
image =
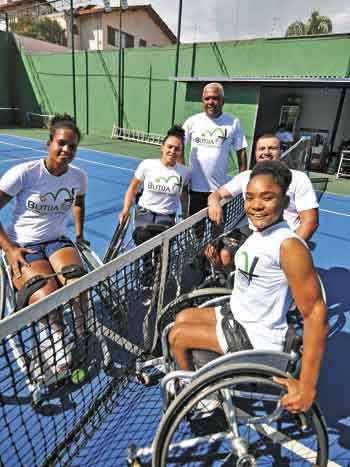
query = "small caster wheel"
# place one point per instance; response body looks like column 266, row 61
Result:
column 144, row 378
column 134, row 463
column 133, row 460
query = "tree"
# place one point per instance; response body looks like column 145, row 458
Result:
column 316, row 24
column 45, row 29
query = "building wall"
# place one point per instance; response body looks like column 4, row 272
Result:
column 5, row 84
column 93, row 29
column 344, row 124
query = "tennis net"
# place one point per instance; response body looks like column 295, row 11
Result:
column 36, row 120
column 91, row 416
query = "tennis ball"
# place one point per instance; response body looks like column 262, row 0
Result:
column 78, row 376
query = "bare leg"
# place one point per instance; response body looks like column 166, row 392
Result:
column 66, row 257
column 194, row 328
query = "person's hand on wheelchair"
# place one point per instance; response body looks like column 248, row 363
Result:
column 123, row 216
column 299, row 398
column 216, row 213
column 16, row 259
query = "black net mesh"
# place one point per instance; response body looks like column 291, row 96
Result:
column 69, row 395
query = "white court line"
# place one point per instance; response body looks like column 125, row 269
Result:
column 82, row 147
column 77, row 158
column 15, row 159
column 335, row 212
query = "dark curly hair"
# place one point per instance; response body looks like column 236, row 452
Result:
column 63, row 121
column 177, row 131
column 276, row 169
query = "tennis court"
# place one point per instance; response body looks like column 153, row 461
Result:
column 133, row 414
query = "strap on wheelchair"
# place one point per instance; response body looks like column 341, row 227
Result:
column 29, row 288
column 73, row 271
column 36, row 283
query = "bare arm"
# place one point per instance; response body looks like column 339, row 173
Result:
column 79, row 216
column 297, row 265
column 215, row 211
column 129, row 198
column 14, row 254
column 308, row 223
column 242, row 159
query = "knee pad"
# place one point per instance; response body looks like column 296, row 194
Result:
column 73, row 271
column 143, row 233
column 29, row 288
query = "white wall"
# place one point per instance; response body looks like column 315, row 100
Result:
column 318, row 108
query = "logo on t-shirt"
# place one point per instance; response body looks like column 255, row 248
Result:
column 245, row 268
column 171, row 184
column 50, row 202
column 215, row 137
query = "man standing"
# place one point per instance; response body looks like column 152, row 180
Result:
column 212, row 133
column 302, row 212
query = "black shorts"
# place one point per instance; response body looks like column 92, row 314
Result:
column 198, row 201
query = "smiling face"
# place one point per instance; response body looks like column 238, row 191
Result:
column 268, row 148
column 171, row 150
column 62, row 148
column 213, row 101
column 265, row 201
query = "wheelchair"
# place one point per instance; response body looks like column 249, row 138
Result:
column 228, row 411
column 33, row 348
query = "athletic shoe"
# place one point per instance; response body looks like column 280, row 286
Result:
column 55, row 354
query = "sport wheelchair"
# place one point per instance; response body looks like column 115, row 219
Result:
column 228, row 411
column 35, row 349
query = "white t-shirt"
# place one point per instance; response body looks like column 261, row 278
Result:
column 301, row 194
column 261, row 295
column 162, row 186
column 211, row 140
column 43, row 201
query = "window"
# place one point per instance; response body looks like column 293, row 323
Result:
column 142, row 43
column 113, row 38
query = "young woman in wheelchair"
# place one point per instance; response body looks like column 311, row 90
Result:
column 272, row 266
column 163, row 182
column 35, row 243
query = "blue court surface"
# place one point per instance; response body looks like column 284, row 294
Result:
column 109, row 176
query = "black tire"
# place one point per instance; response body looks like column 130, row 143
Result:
column 190, row 299
column 116, row 243
column 306, row 446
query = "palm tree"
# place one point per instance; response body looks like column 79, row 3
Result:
column 297, row 28
column 316, row 24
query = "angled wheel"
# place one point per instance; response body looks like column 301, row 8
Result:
column 196, row 298
column 199, row 427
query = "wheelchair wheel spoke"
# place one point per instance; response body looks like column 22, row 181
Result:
column 228, row 423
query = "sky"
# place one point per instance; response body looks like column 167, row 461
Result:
column 218, row 20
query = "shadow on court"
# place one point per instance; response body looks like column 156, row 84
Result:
column 334, row 384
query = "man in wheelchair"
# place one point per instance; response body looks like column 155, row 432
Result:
column 272, row 266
